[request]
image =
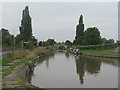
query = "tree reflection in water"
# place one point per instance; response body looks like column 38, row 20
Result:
column 39, row 61
column 84, row 64
column 91, row 65
column 67, row 54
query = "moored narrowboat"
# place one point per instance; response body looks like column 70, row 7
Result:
column 76, row 51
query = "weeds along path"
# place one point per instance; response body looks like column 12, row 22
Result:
column 11, row 79
column 14, row 72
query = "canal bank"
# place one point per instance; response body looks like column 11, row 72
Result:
column 102, row 56
column 21, row 68
column 17, row 79
column 94, row 55
column 104, row 53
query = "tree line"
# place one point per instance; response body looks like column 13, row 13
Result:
column 90, row 36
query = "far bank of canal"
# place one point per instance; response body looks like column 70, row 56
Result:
column 104, row 53
column 64, row 70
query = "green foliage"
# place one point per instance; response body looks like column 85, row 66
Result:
column 81, row 19
column 4, row 84
column 110, row 41
column 100, row 46
column 68, row 43
column 25, row 35
column 105, row 41
column 89, row 37
column 26, row 27
column 18, row 39
column 118, row 42
column 40, row 43
column 6, row 60
column 79, row 39
column 7, row 38
column 50, row 42
column 32, row 42
column 101, row 52
column 26, row 86
column 92, row 36
column 19, row 80
column 11, row 68
column 61, row 47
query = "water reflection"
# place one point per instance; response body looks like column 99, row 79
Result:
column 29, row 74
column 46, row 59
column 84, row 64
column 47, row 63
column 91, row 65
column 67, row 54
column 51, row 73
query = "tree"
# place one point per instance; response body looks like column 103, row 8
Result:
column 40, row 43
column 68, row 43
column 110, row 41
column 7, row 38
column 79, row 39
column 118, row 41
column 50, row 42
column 26, row 27
column 26, row 31
column 92, row 36
column 103, row 40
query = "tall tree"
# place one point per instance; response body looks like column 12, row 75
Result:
column 26, row 31
column 79, row 39
column 26, row 27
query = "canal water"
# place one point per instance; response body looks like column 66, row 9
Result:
column 64, row 70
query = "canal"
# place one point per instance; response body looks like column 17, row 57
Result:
column 64, row 70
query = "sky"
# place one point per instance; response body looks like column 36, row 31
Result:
column 58, row 20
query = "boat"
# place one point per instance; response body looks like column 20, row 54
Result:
column 76, row 52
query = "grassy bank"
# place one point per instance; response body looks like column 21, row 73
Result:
column 40, row 51
column 7, row 60
column 11, row 67
column 29, row 55
column 100, row 52
column 16, row 60
column 101, row 46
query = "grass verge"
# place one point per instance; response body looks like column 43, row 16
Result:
column 6, row 60
column 11, row 68
column 23, row 84
column 30, row 54
column 101, row 52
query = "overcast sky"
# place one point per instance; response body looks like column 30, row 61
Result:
column 59, row 20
